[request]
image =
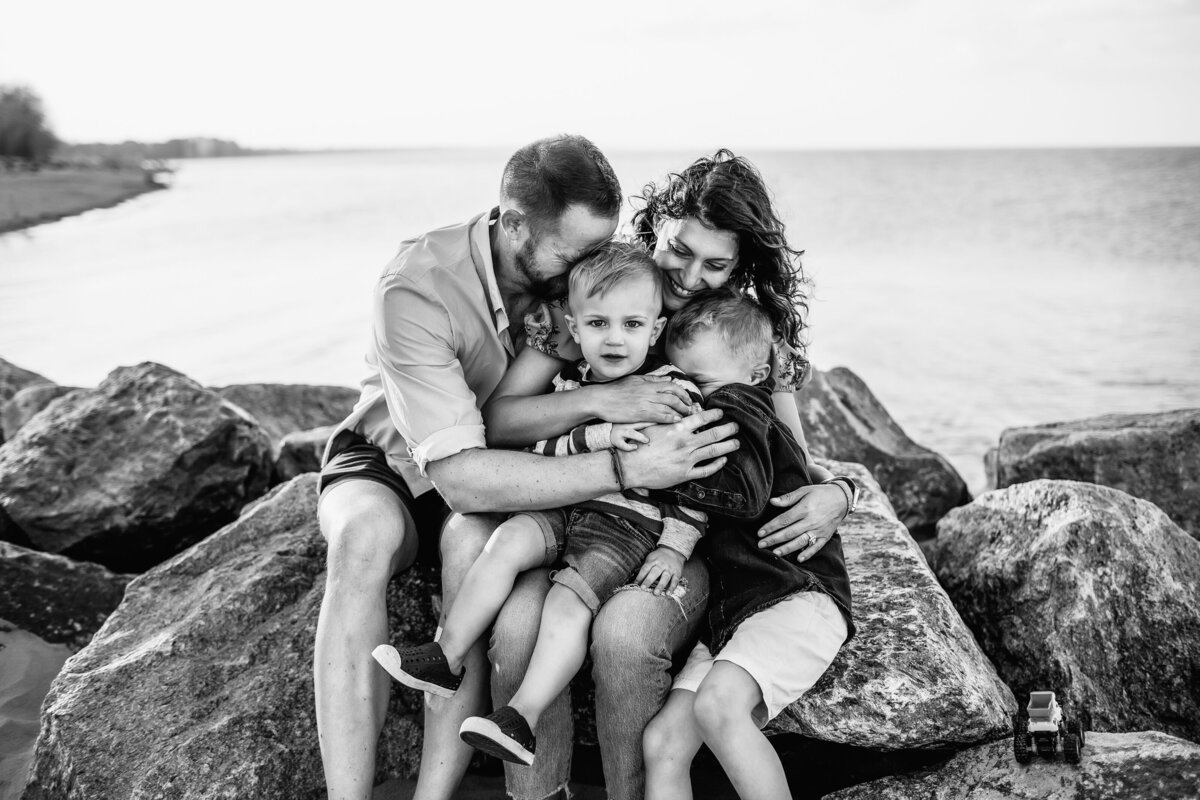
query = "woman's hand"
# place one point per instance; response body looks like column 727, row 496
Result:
column 640, row 398
column 805, row 527
column 661, row 570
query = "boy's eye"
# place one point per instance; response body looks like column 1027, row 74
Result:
column 633, row 324
column 597, row 323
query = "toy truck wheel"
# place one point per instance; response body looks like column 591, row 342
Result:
column 1021, row 748
column 1071, row 748
column 1074, row 727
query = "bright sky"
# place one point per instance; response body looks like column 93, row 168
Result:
column 627, row 73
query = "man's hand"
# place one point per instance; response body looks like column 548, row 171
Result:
column 810, row 522
column 641, row 398
column 681, row 452
column 661, row 571
column 627, row 435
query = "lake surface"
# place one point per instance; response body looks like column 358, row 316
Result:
column 971, row 290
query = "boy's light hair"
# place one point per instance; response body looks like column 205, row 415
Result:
column 612, row 264
column 741, row 323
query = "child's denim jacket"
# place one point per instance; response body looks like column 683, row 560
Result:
column 744, row 577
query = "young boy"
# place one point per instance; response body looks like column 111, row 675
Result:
column 615, row 298
column 773, row 625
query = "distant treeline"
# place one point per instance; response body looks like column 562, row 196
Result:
column 27, row 142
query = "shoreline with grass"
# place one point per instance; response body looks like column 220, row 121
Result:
column 28, row 199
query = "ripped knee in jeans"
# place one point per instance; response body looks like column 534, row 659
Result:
column 677, row 594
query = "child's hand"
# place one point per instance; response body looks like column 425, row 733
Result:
column 627, row 435
column 661, row 571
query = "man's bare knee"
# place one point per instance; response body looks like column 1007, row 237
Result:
column 367, row 535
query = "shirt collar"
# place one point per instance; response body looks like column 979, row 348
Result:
column 481, row 254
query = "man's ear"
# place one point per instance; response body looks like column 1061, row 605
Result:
column 572, row 328
column 515, row 226
column 759, row 374
column 659, row 325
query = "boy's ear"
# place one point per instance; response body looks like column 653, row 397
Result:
column 659, row 325
column 572, row 328
column 759, row 374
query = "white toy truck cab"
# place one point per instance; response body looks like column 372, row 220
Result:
column 1042, row 726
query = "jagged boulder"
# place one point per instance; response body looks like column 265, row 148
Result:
column 284, row 408
column 844, row 421
column 1115, row 766
column 1082, row 590
column 301, row 452
column 1152, row 456
column 26, row 403
column 60, row 600
column 129, row 473
column 913, row 676
column 13, row 379
column 200, row 684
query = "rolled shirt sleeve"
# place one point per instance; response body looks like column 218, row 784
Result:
column 428, row 397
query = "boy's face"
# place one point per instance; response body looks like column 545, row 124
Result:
column 709, row 363
column 615, row 330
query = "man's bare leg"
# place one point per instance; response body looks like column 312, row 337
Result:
column 445, row 757
column 370, row 536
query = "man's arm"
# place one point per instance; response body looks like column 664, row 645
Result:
column 743, row 486
column 503, row 480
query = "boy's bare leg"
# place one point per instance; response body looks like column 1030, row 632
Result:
column 558, row 655
column 517, row 545
column 670, row 742
column 724, row 705
column 370, row 536
column 444, row 757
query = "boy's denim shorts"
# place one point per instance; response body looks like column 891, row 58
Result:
column 598, row 553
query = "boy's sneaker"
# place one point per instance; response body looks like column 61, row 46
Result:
column 423, row 667
column 504, row 734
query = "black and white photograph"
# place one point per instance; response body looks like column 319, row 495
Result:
column 634, row 400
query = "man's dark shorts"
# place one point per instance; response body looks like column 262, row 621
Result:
column 353, row 457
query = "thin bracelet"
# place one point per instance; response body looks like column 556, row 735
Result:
column 616, row 464
column 841, row 484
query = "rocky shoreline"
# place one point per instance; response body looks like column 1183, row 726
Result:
column 166, row 533
column 36, row 198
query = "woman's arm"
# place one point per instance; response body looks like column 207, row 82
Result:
column 520, row 412
column 815, row 511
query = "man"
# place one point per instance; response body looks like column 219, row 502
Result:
column 447, row 317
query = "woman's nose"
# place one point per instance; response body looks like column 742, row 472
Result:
column 689, row 276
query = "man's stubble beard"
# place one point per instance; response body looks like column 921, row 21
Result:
column 541, row 287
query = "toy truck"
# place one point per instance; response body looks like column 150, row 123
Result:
column 1042, row 727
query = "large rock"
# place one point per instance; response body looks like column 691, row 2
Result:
column 200, row 683
column 60, row 600
column 13, row 379
column 1116, row 766
column 283, row 408
column 129, row 473
column 26, row 403
column 301, row 452
column 912, row 677
column 1152, row 456
column 843, row 420
column 1085, row 591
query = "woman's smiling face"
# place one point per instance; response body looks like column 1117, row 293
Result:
column 693, row 257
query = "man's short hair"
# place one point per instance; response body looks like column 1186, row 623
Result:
column 612, row 264
column 741, row 323
column 543, row 178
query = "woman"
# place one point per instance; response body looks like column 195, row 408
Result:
column 711, row 225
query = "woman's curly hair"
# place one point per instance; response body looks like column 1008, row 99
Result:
column 726, row 192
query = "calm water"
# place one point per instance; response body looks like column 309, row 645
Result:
column 973, row 291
